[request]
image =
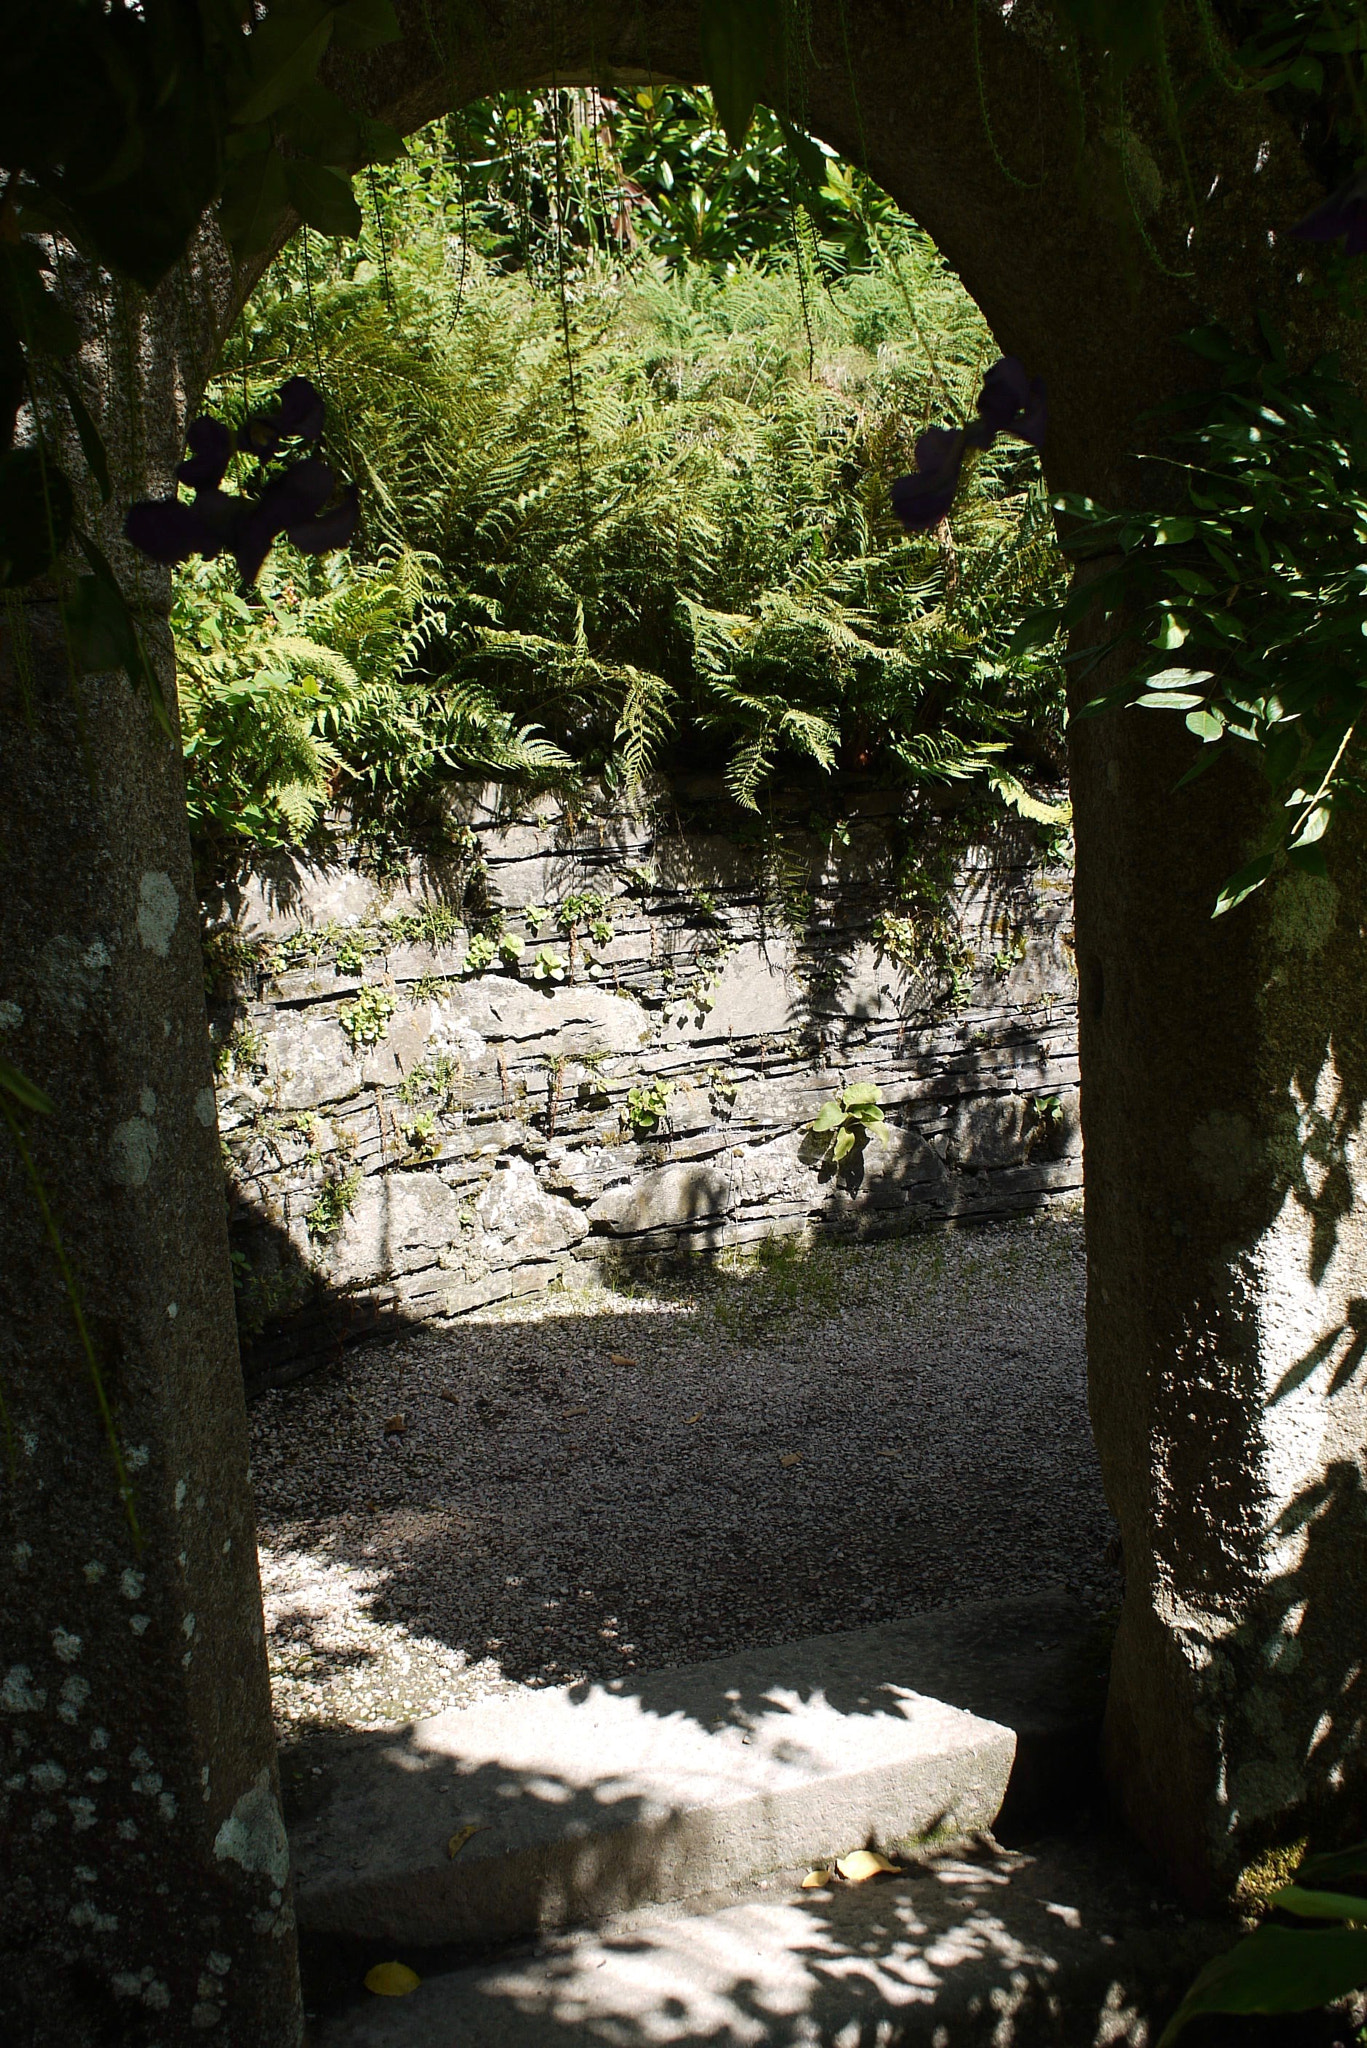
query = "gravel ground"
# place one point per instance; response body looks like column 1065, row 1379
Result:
column 593, row 1483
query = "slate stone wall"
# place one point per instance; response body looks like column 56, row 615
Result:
column 411, row 1134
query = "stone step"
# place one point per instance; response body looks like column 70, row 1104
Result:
column 1073, row 1944
column 559, row 1808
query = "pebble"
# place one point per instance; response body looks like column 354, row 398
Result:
column 647, row 1474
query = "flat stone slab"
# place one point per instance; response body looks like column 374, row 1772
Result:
column 561, row 1807
column 1074, row 1943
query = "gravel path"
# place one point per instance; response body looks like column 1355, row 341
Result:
column 594, row 1483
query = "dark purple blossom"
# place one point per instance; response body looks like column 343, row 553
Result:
column 1010, row 402
column 211, row 445
column 291, row 501
column 297, row 417
column 923, row 499
column 1343, row 213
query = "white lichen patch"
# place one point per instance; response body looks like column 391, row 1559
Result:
column 253, row 1835
column 11, row 1016
column 158, row 910
column 131, row 1584
column 132, row 1148
column 65, row 1645
column 206, row 1108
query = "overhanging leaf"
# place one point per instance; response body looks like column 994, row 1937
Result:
column 738, row 38
column 1243, row 883
column 25, row 1092
column 255, row 201
column 286, row 50
column 1318, row 1905
column 1278, row 1969
column 323, row 198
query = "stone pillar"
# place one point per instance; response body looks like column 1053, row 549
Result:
column 143, row 1860
column 1224, row 1070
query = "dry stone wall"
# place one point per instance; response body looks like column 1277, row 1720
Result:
column 608, row 1037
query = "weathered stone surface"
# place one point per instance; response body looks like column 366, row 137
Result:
column 310, row 1060
column 672, row 1197
column 521, row 1222
column 400, row 1220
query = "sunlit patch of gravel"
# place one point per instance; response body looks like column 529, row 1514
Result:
column 586, row 1484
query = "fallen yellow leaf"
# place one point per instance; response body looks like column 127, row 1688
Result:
column 578, row 1411
column 462, row 1836
column 620, row 1358
column 694, row 1418
column 863, row 1864
column 448, row 1394
column 397, row 1425
column 392, row 1980
column 791, row 1458
column 816, row 1877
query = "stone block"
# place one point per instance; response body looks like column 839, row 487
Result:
column 398, row 1222
column 522, row 1222
column 672, row 1197
column 310, row 1059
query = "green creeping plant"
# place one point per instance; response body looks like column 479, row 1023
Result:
column 1291, row 1969
column 848, row 1119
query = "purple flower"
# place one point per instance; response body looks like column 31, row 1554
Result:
column 923, row 500
column 298, row 417
column 211, row 444
column 290, row 502
column 1343, row 213
column 1010, row 402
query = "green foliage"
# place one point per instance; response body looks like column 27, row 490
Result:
column 481, row 952
column 647, row 1106
column 334, row 1202
column 1280, row 1969
column 242, row 1051
column 1252, row 598
column 849, row 1119
column 366, row 1019
column 547, row 966
column 690, row 558
column 314, row 693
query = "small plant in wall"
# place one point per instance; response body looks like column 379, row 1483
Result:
column 647, row 1106
column 420, row 1135
column 366, row 1021
column 510, row 948
column 547, row 967
column 333, row 1203
column 479, row 954
column 849, row 1119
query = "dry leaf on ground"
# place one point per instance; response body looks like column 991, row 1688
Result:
column 462, row 1836
column 576, row 1411
column 863, row 1864
column 816, row 1877
column 791, row 1458
column 620, row 1358
column 449, row 1394
column 397, row 1425
column 694, row 1418
column 392, row 1980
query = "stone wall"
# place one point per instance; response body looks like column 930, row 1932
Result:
column 413, row 1129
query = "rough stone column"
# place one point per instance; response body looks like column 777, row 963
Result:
column 1224, row 1071
column 143, row 1861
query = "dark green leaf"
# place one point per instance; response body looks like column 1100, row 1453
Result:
column 1319, row 1905
column 365, row 25
column 36, row 314
column 92, row 447
column 323, row 198
column 317, row 123
column 25, row 1092
column 35, row 515
column 1278, row 1969
column 1248, row 878
column 255, row 202
column 1333, row 1867
column 1036, row 629
column 103, row 631
column 286, row 50
column 739, row 39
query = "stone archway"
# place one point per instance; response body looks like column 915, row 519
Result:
column 1224, row 1070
